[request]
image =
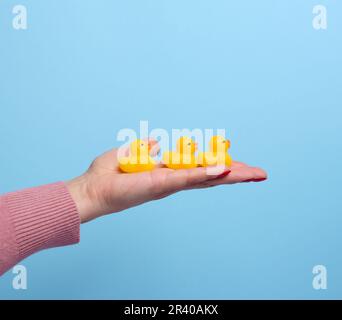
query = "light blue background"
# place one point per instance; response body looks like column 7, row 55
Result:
column 85, row 69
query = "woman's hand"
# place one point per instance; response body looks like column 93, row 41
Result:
column 104, row 189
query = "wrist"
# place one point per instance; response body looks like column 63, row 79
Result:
column 79, row 191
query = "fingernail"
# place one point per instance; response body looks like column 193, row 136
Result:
column 249, row 180
column 258, row 180
column 224, row 174
column 255, row 180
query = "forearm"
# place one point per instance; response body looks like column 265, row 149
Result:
column 35, row 219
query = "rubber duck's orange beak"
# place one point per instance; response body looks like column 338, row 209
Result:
column 153, row 147
column 151, row 144
column 227, row 144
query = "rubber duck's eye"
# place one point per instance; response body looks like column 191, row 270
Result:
column 142, row 145
column 223, row 141
column 189, row 144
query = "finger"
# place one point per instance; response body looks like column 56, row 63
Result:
column 110, row 159
column 259, row 174
column 237, row 175
column 238, row 164
column 243, row 174
column 183, row 179
column 107, row 161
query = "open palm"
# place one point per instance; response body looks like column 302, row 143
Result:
column 105, row 189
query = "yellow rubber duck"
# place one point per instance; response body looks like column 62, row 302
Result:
column 183, row 157
column 139, row 159
column 217, row 154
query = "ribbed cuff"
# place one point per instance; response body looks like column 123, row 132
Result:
column 43, row 217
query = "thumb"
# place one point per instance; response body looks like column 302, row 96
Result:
column 187, row 179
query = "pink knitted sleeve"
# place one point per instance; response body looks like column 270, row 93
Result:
column 35, row 219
